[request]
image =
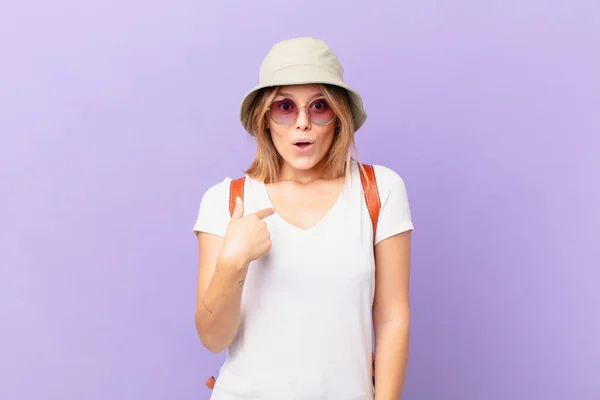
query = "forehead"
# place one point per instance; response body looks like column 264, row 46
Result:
column 300, row 91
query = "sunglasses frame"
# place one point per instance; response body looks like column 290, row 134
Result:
column 298, row 114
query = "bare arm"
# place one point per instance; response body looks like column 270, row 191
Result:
column 222, row 268
column 391, row 315
column 220, row 282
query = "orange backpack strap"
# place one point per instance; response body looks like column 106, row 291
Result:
column 369, row 183
column 236, row 189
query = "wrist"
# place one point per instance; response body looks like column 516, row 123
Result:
column 232, row 262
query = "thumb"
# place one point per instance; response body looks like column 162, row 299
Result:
column 238, row 211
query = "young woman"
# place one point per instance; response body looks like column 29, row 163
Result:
column 304, row 255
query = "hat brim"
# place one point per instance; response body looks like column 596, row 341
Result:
column 301, row 75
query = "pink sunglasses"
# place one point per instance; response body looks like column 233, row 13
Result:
column 285, row 112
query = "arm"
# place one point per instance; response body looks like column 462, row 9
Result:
column 223, row 265
column 220, row 282
column 391, row 315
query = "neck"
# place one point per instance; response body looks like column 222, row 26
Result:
column 288, row 173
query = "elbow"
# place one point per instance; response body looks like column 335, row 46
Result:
column 399, row 319
column 212, row 345
column 212, row 342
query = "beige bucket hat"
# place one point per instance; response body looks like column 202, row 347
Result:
column 303, row 60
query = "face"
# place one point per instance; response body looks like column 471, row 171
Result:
column 302, row 126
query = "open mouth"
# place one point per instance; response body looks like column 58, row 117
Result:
column 303, row 145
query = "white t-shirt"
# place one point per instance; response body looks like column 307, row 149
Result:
column 305, row 329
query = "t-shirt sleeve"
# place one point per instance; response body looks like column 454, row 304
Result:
column 213, row 215
column 395, row 216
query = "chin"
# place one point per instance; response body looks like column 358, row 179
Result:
column 303, row 164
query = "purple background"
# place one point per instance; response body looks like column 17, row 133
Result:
column 116, row 116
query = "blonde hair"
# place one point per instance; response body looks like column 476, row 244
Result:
column 267, row 161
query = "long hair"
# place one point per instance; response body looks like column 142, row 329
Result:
column 267, row 161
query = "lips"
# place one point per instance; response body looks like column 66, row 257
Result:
column 302, row 146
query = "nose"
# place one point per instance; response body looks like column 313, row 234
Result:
column 303, row 120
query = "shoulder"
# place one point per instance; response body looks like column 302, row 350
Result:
column 217, row 192
column 213, row 214
column 388, row 179
column 395, row 214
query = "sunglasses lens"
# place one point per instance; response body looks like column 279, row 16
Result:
column 320, row 112
column 283, row 112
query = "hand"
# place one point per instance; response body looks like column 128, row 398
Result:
column 247, row 237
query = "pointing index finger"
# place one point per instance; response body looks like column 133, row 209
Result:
column 264, row 213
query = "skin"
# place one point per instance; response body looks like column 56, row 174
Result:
column 302, row 198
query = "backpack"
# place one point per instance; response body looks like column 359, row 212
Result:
column 371, row 193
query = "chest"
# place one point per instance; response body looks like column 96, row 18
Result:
column 304, row 207
column 321, row 236
column 337, row 250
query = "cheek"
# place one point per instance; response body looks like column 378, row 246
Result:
column 326, row 139
column 276, row 135
column 279, row 139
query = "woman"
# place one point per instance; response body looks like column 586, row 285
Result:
column 293, row 276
